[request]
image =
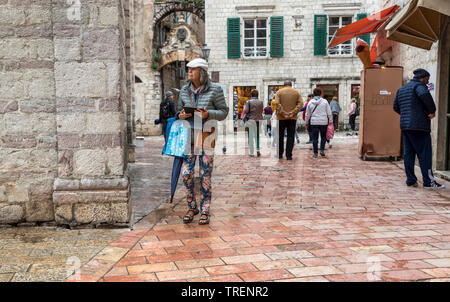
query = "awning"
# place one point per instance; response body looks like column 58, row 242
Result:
column 364, row 26
column 418, row 23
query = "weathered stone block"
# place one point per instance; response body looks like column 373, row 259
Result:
column 11, row 83
column 104, row 184
column 41, row 190
column 64, row 30
column 18, row 141
column 113, row 70
column 101, row 44
column 71, row 122
column 6, row 31
column 65, row 163
column 28, row 64
column 63, row 214
column 108, row 16
column 11, row 213
column 67, row 141
column 43, row 123
column 111, row 105
column 3, row 196
column 120, row 212
column 92, row 213
column 41, row 49
column 70, row 105
column 80, row 79
column 67, row 49
column 38, row 15
column 46, row 141
column 39, row 84
column 18, row 193
column 8, row 106
column 66, row 184
column 12, row 16
column 33, row 106
column 67, row 15
column 114, row 165
column 104, row 122
column 39, row 211
column 43, row 31
column 89, row 163
column 65, row 197
column 103, row 196
column 100, row 140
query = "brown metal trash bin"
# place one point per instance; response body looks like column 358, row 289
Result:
column 379, row 126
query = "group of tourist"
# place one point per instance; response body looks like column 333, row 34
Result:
column 413, row 102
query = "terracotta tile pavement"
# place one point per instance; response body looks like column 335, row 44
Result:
column 329, row 219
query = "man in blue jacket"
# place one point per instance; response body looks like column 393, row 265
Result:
column 416, row 107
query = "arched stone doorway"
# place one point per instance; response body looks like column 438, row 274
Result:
column 181, row 47
column 176, row 37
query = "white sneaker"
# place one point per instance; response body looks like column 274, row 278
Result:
column 435, row 186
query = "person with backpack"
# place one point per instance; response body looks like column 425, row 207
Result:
column 166, row 111
column 318, row 117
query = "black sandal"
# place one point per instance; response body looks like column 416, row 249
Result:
column 204, row 219
column 190, row 215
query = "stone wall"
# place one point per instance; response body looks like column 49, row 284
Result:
column 63, row 112
column 298, row 63
column 28, row 157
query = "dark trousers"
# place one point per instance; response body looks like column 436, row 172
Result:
column 164, row 128
column 310, row 134
column 417, row 143
column 288, row 125
column 316, row 129
column 352, row 121
column 335, row 121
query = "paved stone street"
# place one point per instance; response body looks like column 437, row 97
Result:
column 53, row 254
column 332, row 219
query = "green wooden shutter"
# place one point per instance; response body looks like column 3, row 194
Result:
column 234, row 38
column 320, row 35
column 276, row 37
column 367, row 36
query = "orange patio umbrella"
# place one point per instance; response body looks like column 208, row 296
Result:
column 364, row 26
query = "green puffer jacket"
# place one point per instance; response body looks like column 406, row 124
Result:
column 211, row 98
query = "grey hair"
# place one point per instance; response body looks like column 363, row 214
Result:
column 204, row 77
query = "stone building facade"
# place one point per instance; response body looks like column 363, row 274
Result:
column 65, row 111
column 437, row 62
column 298, row 62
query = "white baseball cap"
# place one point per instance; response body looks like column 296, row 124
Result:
column 198, row 63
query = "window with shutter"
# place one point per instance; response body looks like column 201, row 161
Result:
column 234, row 38
column 334, row 23
column 255, row 38
column 276, row 37
column 367, row 36
column 320, row 35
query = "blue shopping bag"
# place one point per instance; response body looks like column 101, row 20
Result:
column 177, row 138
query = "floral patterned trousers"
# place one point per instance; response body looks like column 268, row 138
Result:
column 206, row 166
